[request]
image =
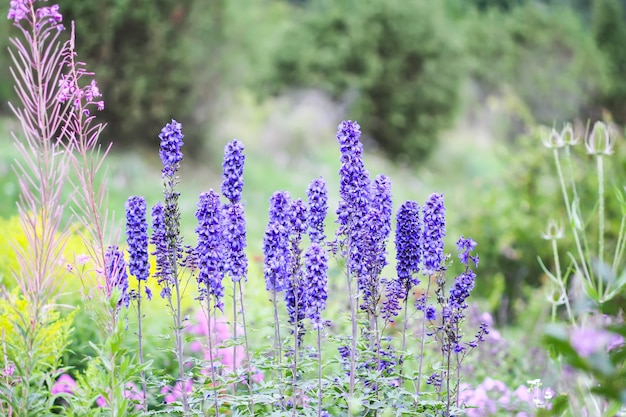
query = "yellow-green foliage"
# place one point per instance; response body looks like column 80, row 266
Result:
column 11, row 235
column 45, row 339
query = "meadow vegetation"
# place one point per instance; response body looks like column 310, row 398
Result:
column 387, row 267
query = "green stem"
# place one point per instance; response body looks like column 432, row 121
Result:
column 561, row 282
column 601, row 277
column 245, row 336
column 319, row 372
column 144, row 389
column 566, row 201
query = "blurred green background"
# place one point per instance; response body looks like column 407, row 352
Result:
column 449, row 94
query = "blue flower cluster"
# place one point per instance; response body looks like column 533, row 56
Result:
column 232, row 176
column 210, row 247
column 116, row 275
column 171, row 137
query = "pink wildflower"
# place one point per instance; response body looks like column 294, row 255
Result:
column 64, row 385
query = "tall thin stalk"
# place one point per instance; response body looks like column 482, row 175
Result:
column 601, row 215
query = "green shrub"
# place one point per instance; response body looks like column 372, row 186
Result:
column 610, row 35
column 545, row 54
column 142, row 58
column 397, row 64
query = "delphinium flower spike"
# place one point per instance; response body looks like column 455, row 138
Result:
column 434, row 223
column 139, row 267
column 169, row 244
column 232, row 176
column 210, row 258
column 434, row 232
column 117, row 277
column 294, row 288
column 408, row 258
column 354, row 191
column 235, row 230
column 276, row 257
column 317, row 194
column 377, row 227
column 316, row 289
column 295, row 294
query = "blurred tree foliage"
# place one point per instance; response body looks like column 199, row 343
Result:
column 609, row 30
column 397, row 64
column 140, row 53
column 544, row 54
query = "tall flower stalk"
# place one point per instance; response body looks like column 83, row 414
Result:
column 210, row 258
column 235, row 233
column 168, row 241
column 277, row 258
column 353, row 208
column 57, row 131
column 137, row 240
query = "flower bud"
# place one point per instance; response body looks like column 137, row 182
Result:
column 554, row 231
column 568, row 136
column 553, row 140
column 599, row 141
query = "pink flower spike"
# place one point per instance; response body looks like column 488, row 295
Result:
column 101, row 401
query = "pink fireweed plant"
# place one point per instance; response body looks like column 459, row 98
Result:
column 47, row 146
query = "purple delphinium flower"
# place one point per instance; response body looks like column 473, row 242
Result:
column 431, row 313
column 232, row 176
column 376, row 230
column 465, row 246
column 318, row 207
column 171, row 137
column 210, row 247
column 276, row 243
column 408, row 257
column 316, row 281
column 464, row 283
column 137, row 239
column 354, row 190
column 434, row 232
column 408, row 244
column 115, row 274
column 295, row 295
column 275, row 257
column 164, row 269
column 235, row 239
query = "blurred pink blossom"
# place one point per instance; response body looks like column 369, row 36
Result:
column 65, row 384
column 175, row 393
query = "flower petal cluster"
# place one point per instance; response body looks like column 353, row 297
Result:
column 137, row 237
column 164, row 268
column 317, row 194
column 210, row 248
column 171, row 137
column 316, row 282
column 408, row 243
column 21, row 10
column 374, row 237
column 464, row 283
column 354, row 190
column 408, row 257
column 232, row 177
column 434, row 232
column 276, row 243
column 235, row 238
column 115, row 274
